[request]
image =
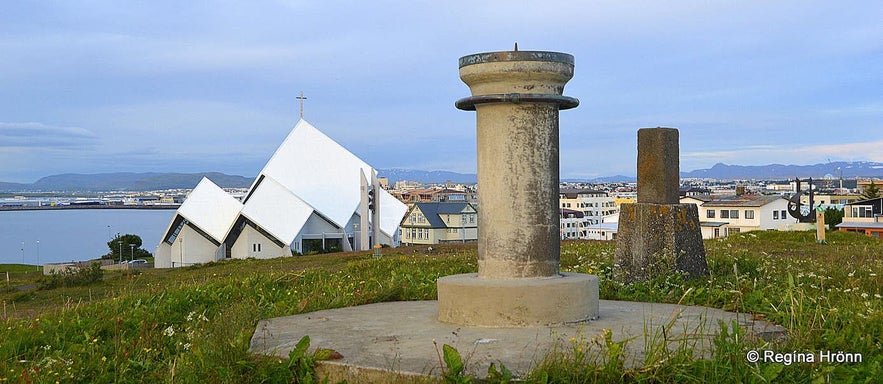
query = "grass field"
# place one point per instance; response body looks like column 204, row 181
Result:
column 193, row 325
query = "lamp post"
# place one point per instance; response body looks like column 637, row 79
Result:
column 38, row 255
column 132, row 247
column 121, row 251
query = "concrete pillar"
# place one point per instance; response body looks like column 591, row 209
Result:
column 517, row 96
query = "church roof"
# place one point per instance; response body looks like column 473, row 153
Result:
column 325, row 175
column 210, row 208
column 277, row 210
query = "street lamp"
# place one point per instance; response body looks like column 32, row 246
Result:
column 121, row 251
column 38, row 255
column 132, row 246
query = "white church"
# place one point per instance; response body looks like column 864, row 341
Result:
column 309, row 196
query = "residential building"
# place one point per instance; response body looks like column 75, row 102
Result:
column 572, row 224
column 830, row 199
column 723, row 216
column 864, row 216
column 594, row 205
column 440, row 222
column 604, row 231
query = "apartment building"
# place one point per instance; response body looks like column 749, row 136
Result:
column 594, row 205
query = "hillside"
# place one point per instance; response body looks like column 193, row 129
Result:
column 194, row 324
column 125, row 181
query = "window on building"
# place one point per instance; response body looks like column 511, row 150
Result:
column 775, row 215
column 709, row 214
column 734, row 213
column 731, row 231
column 725, row 214
column 862, row 211
column 782, row 215
column 749, row 214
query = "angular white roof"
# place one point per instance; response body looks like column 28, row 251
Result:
column 277, row 210
column 210, row 208
column 392, row 211
column 325, row 175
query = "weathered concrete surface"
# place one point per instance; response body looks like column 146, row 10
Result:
column 658, row 166
column 393, row 342
column 472, row 301
column 517, row 146
column 658, row 240
column 518, row 174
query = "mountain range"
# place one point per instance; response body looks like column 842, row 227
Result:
column 127, row 181
column 837, row 169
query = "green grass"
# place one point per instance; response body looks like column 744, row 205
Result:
column 194, row 325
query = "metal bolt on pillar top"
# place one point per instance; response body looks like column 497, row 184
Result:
column 516, row 96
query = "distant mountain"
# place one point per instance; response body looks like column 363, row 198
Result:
column 125, row 181
column 396, row 174
column 780, row 171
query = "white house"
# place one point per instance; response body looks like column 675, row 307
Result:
column 720, row 217
column 306, row 198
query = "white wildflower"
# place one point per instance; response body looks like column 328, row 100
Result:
column 170, row 331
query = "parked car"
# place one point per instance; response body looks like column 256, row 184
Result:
column 138, row 261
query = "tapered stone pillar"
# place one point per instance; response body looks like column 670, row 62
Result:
column 517, row 96
column 657, row 236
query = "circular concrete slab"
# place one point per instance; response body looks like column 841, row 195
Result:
column 395, row 340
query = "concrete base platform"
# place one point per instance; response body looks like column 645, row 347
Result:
column 393, row 342
column 475, row 302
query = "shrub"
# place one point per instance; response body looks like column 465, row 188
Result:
column 72, row 277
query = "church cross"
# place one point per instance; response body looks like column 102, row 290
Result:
column 301, row 98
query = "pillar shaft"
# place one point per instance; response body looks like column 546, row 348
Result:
column 658, row 166
column 518, row 190
column 517, row 96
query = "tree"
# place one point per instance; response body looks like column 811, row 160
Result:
column 833, row 216
column 121, row 243
column 871, row 192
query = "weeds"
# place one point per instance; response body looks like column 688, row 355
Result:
column 195, row 324
column 72, row 277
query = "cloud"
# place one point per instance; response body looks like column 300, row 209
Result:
column 766, row 154
column 39, row 135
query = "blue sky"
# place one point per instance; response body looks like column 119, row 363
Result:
column 110, row 86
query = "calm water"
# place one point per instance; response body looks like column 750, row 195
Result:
column 81, row 234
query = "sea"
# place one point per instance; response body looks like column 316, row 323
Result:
column 54, row 236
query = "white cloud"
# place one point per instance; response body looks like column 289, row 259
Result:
column 39, row 135
column 780, row 154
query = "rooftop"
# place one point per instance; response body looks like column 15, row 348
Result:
column 742, row 201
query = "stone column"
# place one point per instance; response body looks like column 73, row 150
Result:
column 517, row 96
column 657, row 236
column 658, row 166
